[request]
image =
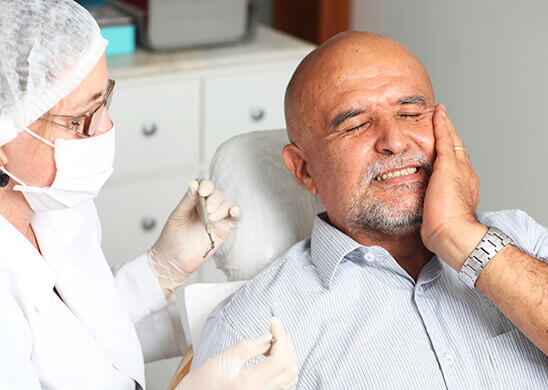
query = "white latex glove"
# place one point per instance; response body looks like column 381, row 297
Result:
column 179, row 250
column 226, row 372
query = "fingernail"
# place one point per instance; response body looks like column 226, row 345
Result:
column 194, row 185
column 235, row 211
column 206, row 188
column 275, row 322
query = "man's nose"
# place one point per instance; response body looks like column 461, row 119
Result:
column 392, row 139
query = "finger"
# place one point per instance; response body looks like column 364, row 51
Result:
column 206, row 188
column 235, row 214
column 249, row 349
column 230, row 221
column 272, row 373
column 188, row 202
column 213, row 201
column 444, row 142
column 452, row 131
column 461, row 155
column 279, row 368
column 282, row 346
column 221, row 212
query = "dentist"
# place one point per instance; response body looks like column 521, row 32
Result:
column 66, row 322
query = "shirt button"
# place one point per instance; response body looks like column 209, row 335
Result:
column 368, row 256
column 420, row 290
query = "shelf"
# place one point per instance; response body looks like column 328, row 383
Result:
column 267, row 45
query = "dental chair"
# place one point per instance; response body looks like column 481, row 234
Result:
column 276, row 213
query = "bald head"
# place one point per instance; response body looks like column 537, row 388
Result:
column 336, row 67
column 358, row 107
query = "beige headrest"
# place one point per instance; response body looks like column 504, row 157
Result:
column 276, row 211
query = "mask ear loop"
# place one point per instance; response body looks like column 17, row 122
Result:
column 39, row 138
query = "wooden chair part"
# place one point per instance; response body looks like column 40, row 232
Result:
column 183, row 369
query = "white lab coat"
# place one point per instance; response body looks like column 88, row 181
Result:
column 96, row 336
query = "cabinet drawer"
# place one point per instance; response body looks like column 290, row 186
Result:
column 133, row 215
column 242, row 103
column 157, row 123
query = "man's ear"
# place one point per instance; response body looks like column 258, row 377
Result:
column 295, row 160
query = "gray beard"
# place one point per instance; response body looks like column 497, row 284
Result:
column 394, row 216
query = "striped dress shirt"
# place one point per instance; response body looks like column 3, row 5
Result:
column 359, row 321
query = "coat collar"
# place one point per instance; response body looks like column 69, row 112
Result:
column 24, row 266
column 57, row 233
column 73, row 262
column 70, row 242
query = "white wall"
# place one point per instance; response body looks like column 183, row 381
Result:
column 488, row 61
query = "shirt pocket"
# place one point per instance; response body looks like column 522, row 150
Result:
column 517, row 362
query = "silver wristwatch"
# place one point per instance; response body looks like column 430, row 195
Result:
column 491, row 244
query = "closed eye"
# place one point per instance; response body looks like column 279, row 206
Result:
column 359, row 127
column 410, row 115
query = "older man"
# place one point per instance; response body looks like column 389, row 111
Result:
column 401, row 285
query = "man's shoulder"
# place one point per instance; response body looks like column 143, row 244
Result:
column 527, row 234
column 512, row 221
column 271, row 287
column 247, row 313
column 265, row 283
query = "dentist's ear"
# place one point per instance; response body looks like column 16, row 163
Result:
column 295, row 160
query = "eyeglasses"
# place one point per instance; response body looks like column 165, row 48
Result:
column 86, row 124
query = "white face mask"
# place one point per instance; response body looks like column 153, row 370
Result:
column 83, row 167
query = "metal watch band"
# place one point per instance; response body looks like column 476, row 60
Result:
column 491, row 244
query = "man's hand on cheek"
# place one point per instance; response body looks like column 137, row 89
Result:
column 449, row 226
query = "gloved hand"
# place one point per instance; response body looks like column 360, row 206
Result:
column 179, row 250
column 225, row 372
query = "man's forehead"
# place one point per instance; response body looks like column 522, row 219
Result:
column 370, row 89
column 338, row 75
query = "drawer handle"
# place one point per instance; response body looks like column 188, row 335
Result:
column 148, row 224
column 149, row 128
column 257, row 113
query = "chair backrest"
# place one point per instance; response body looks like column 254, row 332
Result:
column 200, row 300
column 276, row 211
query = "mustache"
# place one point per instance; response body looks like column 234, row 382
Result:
column 389, row 163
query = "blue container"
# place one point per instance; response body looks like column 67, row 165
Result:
column 121, row 39
column 116, row 26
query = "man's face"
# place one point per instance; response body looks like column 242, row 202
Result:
column 372, row 144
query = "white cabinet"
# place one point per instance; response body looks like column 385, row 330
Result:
column 133, row 214
column 157, row 123
column 236, row 104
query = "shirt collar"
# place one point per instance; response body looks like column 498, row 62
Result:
column 329, row 247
